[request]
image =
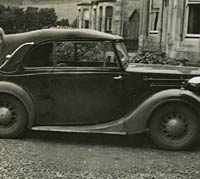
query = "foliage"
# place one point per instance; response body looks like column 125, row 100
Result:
column 16, row 19
column 62, row 22
column 70, row 52
column 153, row 58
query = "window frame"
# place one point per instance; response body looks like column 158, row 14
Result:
column 100, row 18
column 109, row 20
column 153, row 10
column 118, row 62
column 118, row 67
column 86, row 21
column 188, row 3
column 30, row 51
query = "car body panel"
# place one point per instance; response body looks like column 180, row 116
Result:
column 163, row 69
column 90, row 97
column 137, row 121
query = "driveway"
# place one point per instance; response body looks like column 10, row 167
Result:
column 53, row 155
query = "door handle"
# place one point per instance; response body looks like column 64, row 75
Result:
column 117, row 77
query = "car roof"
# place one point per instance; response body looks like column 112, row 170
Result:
column 52, row 34
column 13, row 41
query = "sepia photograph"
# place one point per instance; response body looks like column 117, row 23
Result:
column 100, row 89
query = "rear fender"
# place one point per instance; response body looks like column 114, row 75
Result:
column 17, row 91
column 137, row 120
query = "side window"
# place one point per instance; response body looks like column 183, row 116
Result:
column 85, row 54
column 40, row 56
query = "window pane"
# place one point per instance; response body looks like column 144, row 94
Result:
column 41, row 56
column 156, row 4
column 95, row 18
column 154, row 21
column 100, row 18
column 64, row 52
column 85, row 54
column 86, row 17
column 109, row 11
column 109, row 16
column 89, row 51
column 194, row 19
column 86, row 14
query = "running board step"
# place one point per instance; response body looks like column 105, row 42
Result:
column 75, row 130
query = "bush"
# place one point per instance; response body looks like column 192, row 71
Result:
column 152, row 58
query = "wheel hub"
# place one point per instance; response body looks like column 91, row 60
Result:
column 5, row 115
column 174, row 126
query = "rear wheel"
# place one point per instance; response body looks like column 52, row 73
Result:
column 174, row 126
column 13, row 117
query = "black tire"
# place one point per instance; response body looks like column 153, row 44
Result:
column 13, row 117
column 174, row 126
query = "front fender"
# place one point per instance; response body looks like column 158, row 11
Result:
column 137, row 120
column 22, row 95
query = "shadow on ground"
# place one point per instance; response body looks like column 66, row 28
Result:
column 137, row 141
column 134, row 141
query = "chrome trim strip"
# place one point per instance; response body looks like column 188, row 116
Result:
column 75, row 130
column 18, row 48
column 4, row 63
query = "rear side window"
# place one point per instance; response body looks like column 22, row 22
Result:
column 41, row 56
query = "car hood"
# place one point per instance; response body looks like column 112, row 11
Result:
column 162, row 69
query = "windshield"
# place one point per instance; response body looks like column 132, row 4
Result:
column 122, row 53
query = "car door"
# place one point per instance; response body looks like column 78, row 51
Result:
column 87, row 85
column 37, row 72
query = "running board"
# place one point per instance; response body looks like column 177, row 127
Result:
column 76, row 130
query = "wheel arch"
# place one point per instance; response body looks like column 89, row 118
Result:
column 170, row 102
column 19, row 93
column 137, row 121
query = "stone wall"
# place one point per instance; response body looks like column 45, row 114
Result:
column 172, row 38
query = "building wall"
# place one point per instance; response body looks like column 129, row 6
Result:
column 125, row 18
column 98, row 23
column 131, row 11
column 172, row 37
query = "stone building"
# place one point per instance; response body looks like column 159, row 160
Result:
column 120, row 17
column 171, row 27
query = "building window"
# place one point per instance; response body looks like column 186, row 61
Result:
column 100, row 18
column 94, row 19
column 154, row 16
column 193, row 18
column 79, row 18
column 86, row 18
column 109, row 18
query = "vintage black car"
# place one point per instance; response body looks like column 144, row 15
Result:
column 83, row 81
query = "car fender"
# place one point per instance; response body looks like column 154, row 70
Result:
column 137, row 120
column 21, row 95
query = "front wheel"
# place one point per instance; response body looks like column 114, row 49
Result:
column 13, row 117
column 174, row 126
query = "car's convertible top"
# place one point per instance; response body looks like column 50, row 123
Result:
column 12, row 41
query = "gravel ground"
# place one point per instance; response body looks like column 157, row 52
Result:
column 52, row 155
